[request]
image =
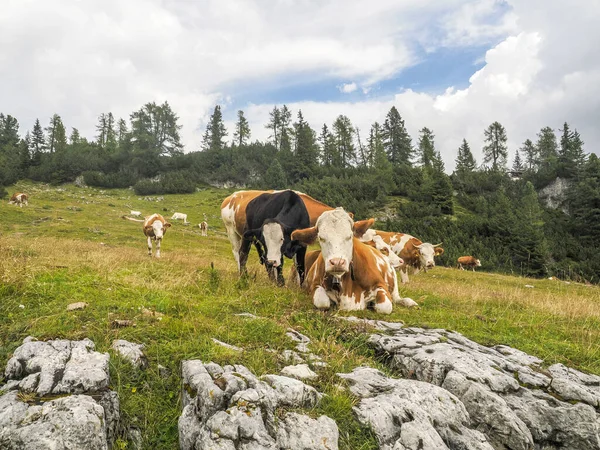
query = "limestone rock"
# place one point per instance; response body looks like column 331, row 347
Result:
column 299, row 371
column 76, row 306
column 131, row 352
column 230, row 408
column 226, row 345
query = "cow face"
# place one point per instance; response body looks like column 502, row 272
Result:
column 159, row 229
column 427, row 252
column 478, row 263
column 275, row 238
column 334, row 231
column 386, row 250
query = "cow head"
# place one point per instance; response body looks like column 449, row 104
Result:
column 275, row 238
column 386, row 250
column 334, row 231
column 159, row 229
column 427, row 252
column 478, row 263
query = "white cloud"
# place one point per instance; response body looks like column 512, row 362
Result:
column 83, row 58
column 348, row 88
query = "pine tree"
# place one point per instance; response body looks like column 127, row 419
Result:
column 111, row 133
column 531, row 154
column 154, row 130
column 517, row 163
column 376, row 148
column 57, row 135
column 285, row 129
column 38, row 140
column 9, row 131
column 75, row 137
column 329, row 155
column 465, row 162
column 570, row 156
column 396, row 140
column 242, row 130
column 101, row 129
column 274, row 125
column 214, row 138
column 344, row 139
column 495, row 150
column 122, row 132
column 305, row 149
column 547, row 150
column 25, row 154
column 275, row 176
column 363, row 156
column 426, row 147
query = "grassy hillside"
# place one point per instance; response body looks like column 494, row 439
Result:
column 71, row 245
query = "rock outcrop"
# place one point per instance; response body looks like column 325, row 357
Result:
column 472, row 396
column 57, row 397
column 230, row 408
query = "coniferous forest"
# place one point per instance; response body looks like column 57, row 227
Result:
column 538, row 216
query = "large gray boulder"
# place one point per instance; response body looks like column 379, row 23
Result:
column 229, row 408
column 507, row 394
column 57, row 397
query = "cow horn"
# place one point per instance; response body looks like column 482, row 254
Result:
column 437, row 245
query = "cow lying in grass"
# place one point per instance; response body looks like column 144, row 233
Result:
column 180, row 216
column 348, row 272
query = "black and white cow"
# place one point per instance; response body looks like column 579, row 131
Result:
column 270, row 219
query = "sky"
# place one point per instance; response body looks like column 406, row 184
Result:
column 454, row 66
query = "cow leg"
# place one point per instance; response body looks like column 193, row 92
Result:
column 149, row 246
column 243, row 255
column 236, row 243
column 261, row 252
column 157, row 252
column 299, row 263
column 383, row 304
column 404, row 275
column 320, row 298
column 280, row 279
column 473, row 268
column 461, row 267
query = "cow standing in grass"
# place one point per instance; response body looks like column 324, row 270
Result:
column 468, row 261
column 155, row 228
column 203, row 228
column 180, row 216
column 19, row 198
column 233, row 213
column 348, row 272
column 417, row 255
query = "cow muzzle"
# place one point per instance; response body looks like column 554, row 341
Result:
column 272, row 263
column 337, row 267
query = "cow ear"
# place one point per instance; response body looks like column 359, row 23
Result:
column 351, row 215
column 167, row 225
column 439, row 251
column 370, row 243
column 362, row 226
column 306, row 236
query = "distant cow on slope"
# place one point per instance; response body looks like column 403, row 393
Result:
column 18, row 198
column 468, row 261
column 155, row 228
column 203, row 228
column 179, row 216
column 135, row 213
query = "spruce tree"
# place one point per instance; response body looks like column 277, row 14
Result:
column 376, row 148
column 517, row 163
column 396, row 140
column 465, row 162
column 75, row 137
column 426, row 148
column 38, row 140
column 122, row 132
column 570, row 155
column 531, row 155
column 305, row 149
column 274, row 125
column 242, row 130
column 214, row 138
column 495, row 150
column 329, row 156
column 56, row 134
column 547, row 149
column 344, row 138
column 285, row 129
column 155, row 131
column 275, row 176
column 25, row 154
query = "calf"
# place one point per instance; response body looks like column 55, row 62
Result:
column 18, row 198
column 417, row 255
column 203, row 228
column 468, row 261
column 177, row 216
column 155, row 228
column 135, row 213
column 348, row 272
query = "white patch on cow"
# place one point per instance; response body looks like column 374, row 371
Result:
column 426, row 255
column 335, row 238
column 158, row 229
column 273, row 234
column 321, row 299
column 399, row 246
column 404, row 275
column 381, row 245
column 228, row 217
column 349, row 303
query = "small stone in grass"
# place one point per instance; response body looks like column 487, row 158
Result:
column 75, row 306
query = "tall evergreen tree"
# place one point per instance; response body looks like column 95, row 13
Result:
column 305, row 149
column 531, row 154
column 214, row 137
column 495, row 150
column 102, row 130
column 377, row 156
column 9, row 131
column 38, row 140
column 518, row 163
column 122, row 132
column 396, row 140
column 75, row 137
column 344, row 138
column 242, row 130
column 465, row 162
column 56, row 134
column 329, row 155
column 111, row 133
column 426, row 147
column 285, row 129
column 570, row 155
column 274, row 125
column 154, row 129
column 25, row 154
column 275, row 176
column 547, row 149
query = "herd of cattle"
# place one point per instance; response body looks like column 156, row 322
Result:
column 354, row 268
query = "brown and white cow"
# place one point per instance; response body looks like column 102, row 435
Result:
column 155, row 228
column 347, row 272
column 203, row 228
column 417, row 255
column 468, row 261
column 19, row 198
column 233, row 214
